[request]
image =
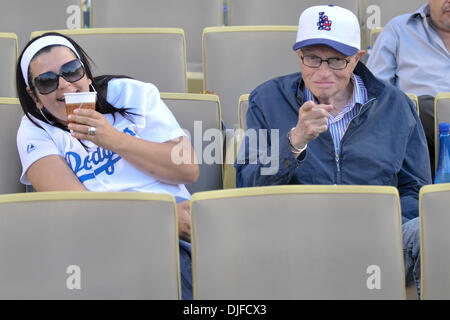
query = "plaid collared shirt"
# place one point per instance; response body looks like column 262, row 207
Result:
column 338, row 125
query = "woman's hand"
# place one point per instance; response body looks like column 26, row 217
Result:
column 153, row 158
column 184, row 221
column 106, row 136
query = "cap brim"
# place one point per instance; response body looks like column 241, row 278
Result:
column 340, row 47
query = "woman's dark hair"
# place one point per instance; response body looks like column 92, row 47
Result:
column 99, row 83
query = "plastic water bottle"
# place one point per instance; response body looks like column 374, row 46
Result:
column 443, row 169
column 225, row 12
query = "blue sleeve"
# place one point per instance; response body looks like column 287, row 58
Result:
column 264, row 158
column 415, row 171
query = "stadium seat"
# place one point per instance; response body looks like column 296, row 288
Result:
column 24, row 16
column 377, row 13
column 275, row 12
column 441, row 114
column 199, row 114
column 233, row 143
column 192, row 16
column 10, row 167
column 237, row 59
column 8, row 59
column 242, row 111
column 298, row 242
column 87, row 245
column 155, row 55
column 435, row 241
column 414, row 99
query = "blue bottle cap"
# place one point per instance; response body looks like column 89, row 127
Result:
column 443, row 127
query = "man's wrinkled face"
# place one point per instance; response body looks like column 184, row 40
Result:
column 323, row 81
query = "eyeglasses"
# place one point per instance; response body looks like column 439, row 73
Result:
column 333, row 63
column 48, row 82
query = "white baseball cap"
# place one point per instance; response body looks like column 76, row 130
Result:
column 330, row 25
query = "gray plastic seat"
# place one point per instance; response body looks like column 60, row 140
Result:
column 200, row 114
column 238, row 59
column 10, row 166
column 88, row 245
column 276, row 12
column 435, row 241
column 156, row 55
column 8, row 59
column 192, row 16
column 242, row 111
column 298, row 242
column 24, row 16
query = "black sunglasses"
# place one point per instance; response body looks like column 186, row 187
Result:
column 48, row 82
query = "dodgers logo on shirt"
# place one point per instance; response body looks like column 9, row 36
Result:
column 95, row 163
column 30, row 148
column 324, row 23
column 99, row 161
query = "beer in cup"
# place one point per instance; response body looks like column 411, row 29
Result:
column 85, row 100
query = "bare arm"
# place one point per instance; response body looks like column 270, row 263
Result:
column 158, row 160
column 52, row 173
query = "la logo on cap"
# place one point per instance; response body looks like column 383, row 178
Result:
column 324, row 23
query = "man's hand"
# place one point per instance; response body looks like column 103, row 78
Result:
column 312, row 121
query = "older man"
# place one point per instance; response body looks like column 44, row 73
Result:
column 338, row 124
column 413, row 53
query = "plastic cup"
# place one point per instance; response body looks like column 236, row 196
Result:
column 85, row 100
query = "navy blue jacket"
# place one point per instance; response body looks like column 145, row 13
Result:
column 384, row 145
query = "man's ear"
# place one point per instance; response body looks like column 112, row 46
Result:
column 298, row 52
column 360, row 54
column 38, row 103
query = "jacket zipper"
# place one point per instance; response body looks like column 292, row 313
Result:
column 337, row 163
column 337, row 158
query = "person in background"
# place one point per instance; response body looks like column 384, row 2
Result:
column 125, row 144
column 413, row 54
column 337, row 124
column 86, row 8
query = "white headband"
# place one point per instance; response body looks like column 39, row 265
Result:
column 38, row 45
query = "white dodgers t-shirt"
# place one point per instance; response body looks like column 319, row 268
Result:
column 99, row 169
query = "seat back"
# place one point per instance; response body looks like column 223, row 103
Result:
column 155, row 55
column 238, row 59
column 24, row 16
column 233, row 143
column 87, row 245
column 192, row 16
column 199, row 114
column 434, row 241
column 8, row 60
column 414, row 99
column 298, row 242
column 242, row 111
column 10, row 167
column 273, row 12
column 441, row 114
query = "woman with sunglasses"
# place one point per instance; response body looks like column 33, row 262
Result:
column 125, row 144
